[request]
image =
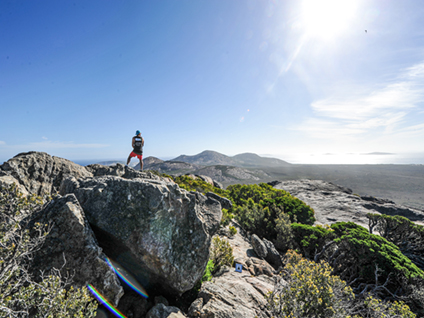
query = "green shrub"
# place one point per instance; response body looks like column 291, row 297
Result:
column 233, row 231
column 164, row 175
column 310, row 239
column 255, row 219
column 226, row 217
column 21, row 294
column 207, row 276
column 221, row 253
column 313, row 291
column 275, row 200
column 364, row 251
column 262, row 210
column 284, row 231
column 198, row 185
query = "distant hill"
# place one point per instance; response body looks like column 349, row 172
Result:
column 216, row 165
column 254, row 161
column 245, row 160
column 170, row 167
column 207, row 158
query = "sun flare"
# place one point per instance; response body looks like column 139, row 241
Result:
column 326, row 19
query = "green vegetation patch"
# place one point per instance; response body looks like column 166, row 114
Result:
column 22, row 294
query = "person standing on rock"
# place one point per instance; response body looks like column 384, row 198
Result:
column 137, row 144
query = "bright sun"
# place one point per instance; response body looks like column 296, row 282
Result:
column 327, row 19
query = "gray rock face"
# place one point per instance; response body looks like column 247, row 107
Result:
column 272, row 257
column 259, row 246
column 71, row 237
column 218, row 185
column 163, row 232
column 7, row 180
column 233, row 295
column 206, row 179
column 333, row 203
column 225, row 203
column 120, row 170
column 41, row 173
column 163, row 311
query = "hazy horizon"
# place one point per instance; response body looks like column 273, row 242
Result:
column 303, row 158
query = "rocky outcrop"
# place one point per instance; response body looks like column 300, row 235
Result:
column 225, row 203
column 7, row 180
column 71, row 247
column 266, row 250
column 233, row 295
column 158, row 231
column 231, row 174
column 273, row 257
column 120, row 170
column 41, row 173
column 333, row 203
column 258, row 246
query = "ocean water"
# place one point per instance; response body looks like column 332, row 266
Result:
column 354, row 158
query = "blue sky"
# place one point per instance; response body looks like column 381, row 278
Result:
column 278, row 78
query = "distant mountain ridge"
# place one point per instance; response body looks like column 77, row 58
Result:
column 244, row 160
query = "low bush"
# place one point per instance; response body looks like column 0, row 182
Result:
column 198, row 185
column 309, row 289
column 21, row 294
column 221, row 253
column 309, row 240
column 226, row 217
column 275, row 200
column 233, row 231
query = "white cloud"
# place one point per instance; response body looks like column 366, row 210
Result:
column 398, row 96
column 385, row 110
column 2, row 142
column 327, row 129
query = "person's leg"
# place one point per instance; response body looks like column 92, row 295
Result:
column 141, row 164
column 129, row 159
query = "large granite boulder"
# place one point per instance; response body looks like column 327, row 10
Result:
column 154, row 229
column 71, row 247
column 41, row 173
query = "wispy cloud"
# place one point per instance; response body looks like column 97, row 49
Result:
column 2, row 142
column 386, row 108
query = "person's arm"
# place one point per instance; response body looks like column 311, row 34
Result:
column 133, row 142
column 142, row 141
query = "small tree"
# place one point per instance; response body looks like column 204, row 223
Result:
column 221, row 253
